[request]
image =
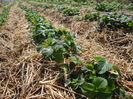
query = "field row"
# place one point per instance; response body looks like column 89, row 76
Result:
column 58, row 52
column 102, row 6
column 110, row 20
column 56, row 48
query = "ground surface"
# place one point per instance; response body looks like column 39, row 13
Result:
column 21, row 71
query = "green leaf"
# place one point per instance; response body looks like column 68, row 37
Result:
column 76, row 60
column 103, row 96
column 102, row 66
column 85, row 69
column 88, row 93
column 117, row 69
column 90, row 65
column 88, row 86
column 58, row 56
column 105, row 68
column 99, row 58
column 47, row 52
column 67, row 82
column 81, row 80
column 100, row 83
column 65, row 67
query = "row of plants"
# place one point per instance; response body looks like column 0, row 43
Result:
column 67, row 10
column 111, row 20
column 54, row 44
column 4, row 14
column 129, row 6
column 93, row 79
column 63, row 9
column 112, row 6
column 53, row 1
column 99, row 6
column 108, row 6
column 41, row 5
column 116, row 21
column 92, row 16
column 70, row 2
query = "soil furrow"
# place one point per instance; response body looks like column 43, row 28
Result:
column 17, row 54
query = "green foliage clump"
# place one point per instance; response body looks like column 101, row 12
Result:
column 4, row 14
column 95, row 80
column 76, row 4
column 45, row 6
column 68, row 11
column 40, row 5
column 71, row 11
column 129, row 6
column 116, row 21
column 93, row 16
column 58, row 50
column 112, row 21
column 65, row 10
column 107, row 6
column 54, row 44
column 61, row 7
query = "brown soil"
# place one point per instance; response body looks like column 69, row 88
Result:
column 14, row 48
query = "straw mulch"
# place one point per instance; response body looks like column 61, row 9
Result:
column 24, row 74
column 116, row 46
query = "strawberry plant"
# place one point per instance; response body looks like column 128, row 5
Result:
column 60, row 8
column 129, row 6
column 65, row 10
column 76, row 4
column 112, row 21
column 107, row 6
column 55, row 44
column 68, row 11
column 93, row 16
column 58, row 50
column 71, row 11
column 40, row 5
column 115, row 21
column 95, row 80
